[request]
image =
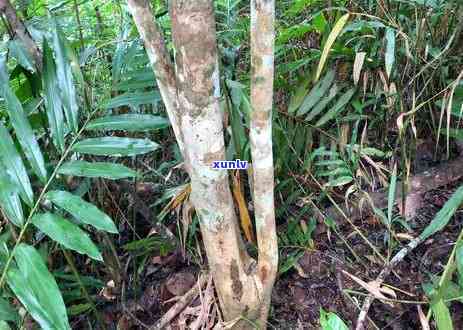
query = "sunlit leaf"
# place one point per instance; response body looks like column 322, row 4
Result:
column 389, row 56
column 441, row 315
column 329, row 43
column 114, row 146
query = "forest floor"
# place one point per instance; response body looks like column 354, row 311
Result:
column 319, row 279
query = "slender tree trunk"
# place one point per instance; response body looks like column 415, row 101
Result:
column 19, row 29
column 243, row 285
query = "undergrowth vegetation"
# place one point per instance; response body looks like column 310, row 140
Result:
column 93, row 197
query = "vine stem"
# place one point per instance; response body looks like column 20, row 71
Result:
column 40, row 198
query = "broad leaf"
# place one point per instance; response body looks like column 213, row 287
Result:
column 128, row 122
column 114, row 146
column 66, row 233
column 37, row 290
column 14, row 166
column 22, row 126
column 82, row 210
column 97, row 170
column 53, row 103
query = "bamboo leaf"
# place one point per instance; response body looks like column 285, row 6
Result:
column 13, row 165
column 459, row 262
column 9, row 199
column 114, row 146
column 316, row 93
column 389, row 56
column 21, row 125
column 66, row 233
column 133, row 99
column 329, row 43
column 339, row 106
column 37, row 290
column 442, row 315
column 53, row 103
column 341, row 181
column 7, row 313
column 129, row 123
column 443, row 216
column 323, row 103
column 65, row 78
column 82, row 210
column 97, row 170
column 19, row 52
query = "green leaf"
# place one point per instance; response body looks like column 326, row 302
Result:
column 316, row 93
column 129, row 123
column 442, row 315
column 323, row 103
column 9, row 199
column 443, row 216
column 65, row 78
column 14, row 166
column 7, row 313
column 341, row 181
column 115, row 146
column 339, row 106
column 82, row 210
column 97, row 170
column 329, row 43
column 21, row 125
column 459, row 262
column 391, row 194
column 134, row 99
column 330, row 321
column 53, row 103
column 37, row 290
column 389, row 56
column 19, row 51
column 4, row 325
column 66, row 233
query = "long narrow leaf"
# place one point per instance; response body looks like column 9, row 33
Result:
column 14, row 166
column 21, row 125
column 37, row 290
column 329, row 43
column 389, row 55
column 97, row 170
column 316, row 93
column 128, row 122
column 65, row 78
column 114, row 146
column 9, row 199
column 66, row 233
column 53, row 102
column 82, row 210
column 339, row 106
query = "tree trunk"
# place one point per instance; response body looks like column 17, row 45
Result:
column 243, row 285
